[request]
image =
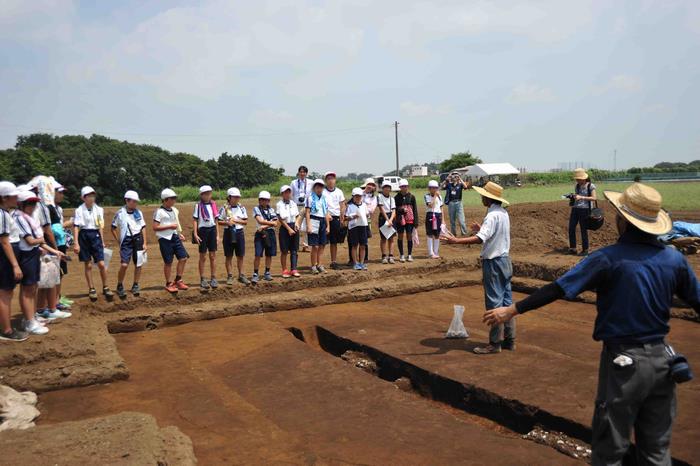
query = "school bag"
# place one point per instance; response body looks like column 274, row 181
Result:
column 596, row 216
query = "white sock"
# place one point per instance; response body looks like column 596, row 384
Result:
column 436, row 246
column 430, row 246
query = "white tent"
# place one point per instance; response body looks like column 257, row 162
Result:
column 488, row 169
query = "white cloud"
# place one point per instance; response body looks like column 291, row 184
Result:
column 620, row 82
column 270, row 118
column 414, row 109
column 530, row 93
column 42, row 22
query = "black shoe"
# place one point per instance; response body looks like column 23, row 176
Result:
column 135, row 289
column 14, row 335
column 92, row 294
column 335, row 266
column 120, row 291
column 107, row 293
column 572, row 251
column 583, row 253
column 508, row 345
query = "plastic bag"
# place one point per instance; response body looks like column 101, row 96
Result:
column 108, row 257
column 141, row 258
column 457, row 329
column 50, row 273
column 414, row 237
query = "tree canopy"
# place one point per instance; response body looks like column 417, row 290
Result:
column 113, row 167
column 459, row 160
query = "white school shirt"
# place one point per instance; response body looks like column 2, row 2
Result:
column 8, row 226
column 317, row 205
column 301, row 188
column 93, row 219
column 270, row 216
column 229, row 212
column 495, row 233
column 202, row 222
column 127, row 223
column 28, row 226
column 165, row 217
column 287, row 212
column 387, row 204
column 41, row 214
column 334, row 199
column 370, row 201
column 429, row 200
column 360, row 211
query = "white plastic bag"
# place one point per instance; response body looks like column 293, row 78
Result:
column 414, row 237
column 108, row 257
column 141, row 258
column 457, row 329
column 50, row 273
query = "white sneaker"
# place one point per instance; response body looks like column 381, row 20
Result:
column 61, row 314
column 385, row 260
column 410, row 258
column 402, row 258
column 34, row 327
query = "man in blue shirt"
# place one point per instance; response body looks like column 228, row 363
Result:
column 635, row 280
column 454, row 186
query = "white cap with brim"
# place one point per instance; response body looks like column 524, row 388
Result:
column 264, row 195
column 433, row 184
column 133, row 195
column 329, row 174
column 27, row 196
column 386, row 183
column 492, row 191
column 8, row 189
column 167, row 193
column 370, row 181
column 640, row 205
column 357, row 192
column 205, row 189
column 233, row 192
column 59, row 188
column 403, row 182
column 86, row 190
column 319, row 181
column 284, row 188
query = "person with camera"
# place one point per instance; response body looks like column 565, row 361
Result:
column 454, row 185
column 301, row 189
column 581, row 202
column 635, row 280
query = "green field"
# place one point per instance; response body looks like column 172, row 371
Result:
column 676, row 196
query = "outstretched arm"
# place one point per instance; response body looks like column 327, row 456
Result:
column 543, row 296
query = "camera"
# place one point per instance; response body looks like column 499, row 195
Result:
column 571, row 197
column 300, row 199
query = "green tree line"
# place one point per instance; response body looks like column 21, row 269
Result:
column 112, row 166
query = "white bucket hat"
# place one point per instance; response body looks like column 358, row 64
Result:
column 433, row 184
column 8, row 189
column 386, row 183
column 403, row 182
column 319, row 181
column 86, row 190
column 264, row 195
column 167, row 193
column 205, row 189
column 284, row 188
column 233, row 192
column 357, row 192
column 133, row 195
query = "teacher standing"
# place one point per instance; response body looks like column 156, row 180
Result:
column 584, row 196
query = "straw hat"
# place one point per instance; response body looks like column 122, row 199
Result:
column 492, row 191
column 641, row 206
column 580, row 174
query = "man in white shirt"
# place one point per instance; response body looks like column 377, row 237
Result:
column 336, row 208
column 494, row 236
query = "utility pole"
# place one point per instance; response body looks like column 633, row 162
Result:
column 396, row 139
column 615, row 160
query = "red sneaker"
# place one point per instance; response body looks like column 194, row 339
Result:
column 286, row 274
column 296, row 273
column 181, row 285
column 171, row 287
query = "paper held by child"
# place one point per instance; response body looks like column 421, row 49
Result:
column 387, row 230
column 457, row 329
column 141, row 258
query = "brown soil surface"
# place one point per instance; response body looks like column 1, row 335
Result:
column 121, row 439
column 247, row 392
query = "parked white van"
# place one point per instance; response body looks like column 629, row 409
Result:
column 394, row 180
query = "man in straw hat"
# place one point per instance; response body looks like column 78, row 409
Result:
column 494, row 236
column 635, row 280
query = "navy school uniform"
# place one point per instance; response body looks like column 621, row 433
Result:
column 29, row 256
column 130, row 225
column 265, row 241
column 318, row 208
column 90, row 222
column 206, row 215
column 169, row 241
column 8, row 227
column 234, row 235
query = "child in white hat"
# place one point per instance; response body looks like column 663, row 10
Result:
column 234, row 217
column 433, row 218
column 265, row 241
column 318, row 220
column 166, row 225
column 387, row 214
column 290, row 224
column 88, row 229
column 356, row 213
column 128, row 230
column 205, row 233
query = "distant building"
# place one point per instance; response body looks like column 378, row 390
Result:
column 415, row 170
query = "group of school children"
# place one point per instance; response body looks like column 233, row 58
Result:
column 316, row 209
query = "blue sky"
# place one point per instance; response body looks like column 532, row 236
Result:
column 534, row 83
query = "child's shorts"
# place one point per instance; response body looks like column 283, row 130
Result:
column 429, row 230
column 320, row 238
column 358, row 236
column 336, row 234
column 207, row 237
column 288, row 242
column 30, row 263
column 380, row 223
column 7, row 275
column 408, row 228
column 172, row 247
column 128, row 251
column 231, row 248
column 64, row 264
column 90, row 242
column 266, row 243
